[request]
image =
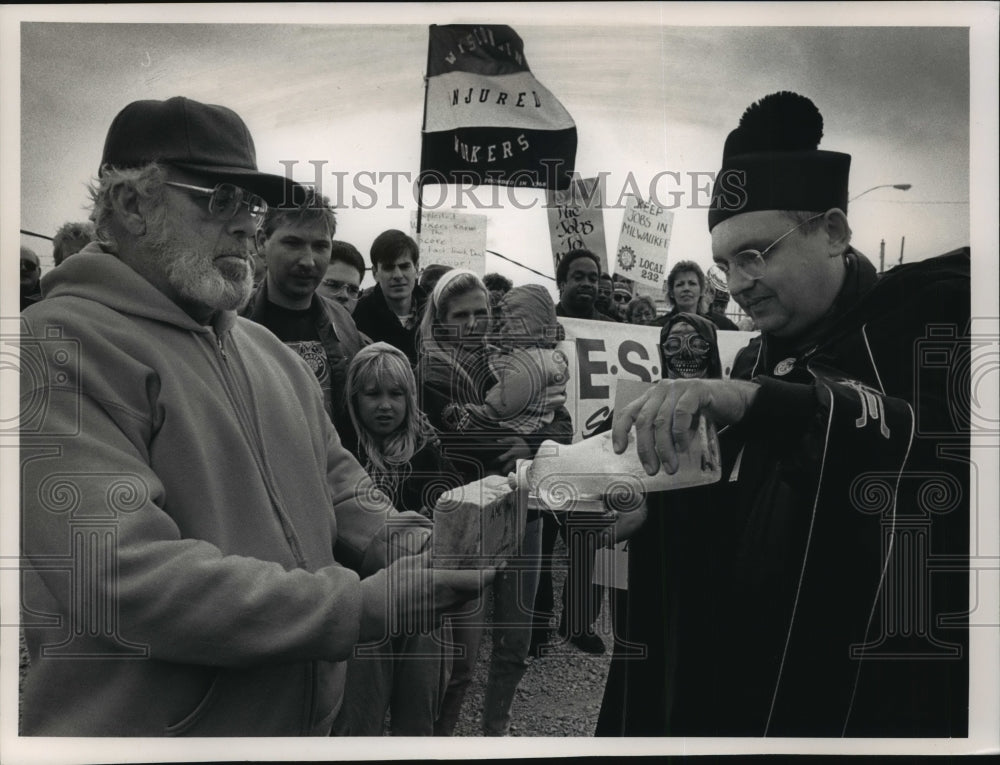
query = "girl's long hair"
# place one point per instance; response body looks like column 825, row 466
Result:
column 387, row 366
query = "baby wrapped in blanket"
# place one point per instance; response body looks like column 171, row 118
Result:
column 525, row 360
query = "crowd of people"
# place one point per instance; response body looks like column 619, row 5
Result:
column 283, row 438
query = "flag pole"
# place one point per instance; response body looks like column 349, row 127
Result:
column 40, row 236
column 423, row 129
column 516, row 263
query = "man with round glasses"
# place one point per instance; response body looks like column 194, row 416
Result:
column 823, row 592
column 342, row 281
column 200, row 554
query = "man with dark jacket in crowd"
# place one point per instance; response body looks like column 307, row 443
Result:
column 605, row 291
column 31, row 274
column 344, row 274
column 391, row 312
column 206, row 553
column 296, row 243
column 577, row 277
column 818, row 589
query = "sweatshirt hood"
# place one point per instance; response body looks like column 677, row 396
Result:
column 95, row 274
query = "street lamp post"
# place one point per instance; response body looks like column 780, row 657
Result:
column 900, row 186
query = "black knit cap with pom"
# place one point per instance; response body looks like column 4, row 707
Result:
column 771, row 162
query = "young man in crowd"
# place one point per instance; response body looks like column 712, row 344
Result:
column 620, row 298
column 297, row 243
column 391, row 312
column 223, row 554
column 70, row 239
column 605, row 289
column 342, row 281
column 577, row 277
column 820, row 590
column 31, row 273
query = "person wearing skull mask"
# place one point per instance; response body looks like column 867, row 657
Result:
column 689, row 347
column 635, row 696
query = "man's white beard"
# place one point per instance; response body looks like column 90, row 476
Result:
column 223, row 287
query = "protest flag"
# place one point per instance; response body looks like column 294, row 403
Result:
column 487, row 120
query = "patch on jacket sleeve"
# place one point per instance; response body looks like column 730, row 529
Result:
column 871, row 404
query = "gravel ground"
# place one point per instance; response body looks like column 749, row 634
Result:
column 560, row 694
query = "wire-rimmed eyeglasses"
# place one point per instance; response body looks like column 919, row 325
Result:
column 750, row 263
column 225, row 199
column 338, row 287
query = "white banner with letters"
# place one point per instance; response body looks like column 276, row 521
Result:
column 600, row 353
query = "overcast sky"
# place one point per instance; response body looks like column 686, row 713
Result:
column 651, row 87
column 647, row 95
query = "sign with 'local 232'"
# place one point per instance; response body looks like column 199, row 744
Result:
column 643, row 242
column 600, row 353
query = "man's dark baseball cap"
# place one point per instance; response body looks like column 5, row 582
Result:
column 204, row 138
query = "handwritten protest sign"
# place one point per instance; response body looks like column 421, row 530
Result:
column 576, row 220
column 451, row 239
column 643, row 242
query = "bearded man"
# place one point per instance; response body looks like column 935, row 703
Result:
column 205, row 552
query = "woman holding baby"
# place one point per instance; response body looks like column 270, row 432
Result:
column 492, row 405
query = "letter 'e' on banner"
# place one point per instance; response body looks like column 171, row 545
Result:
column 643, row 242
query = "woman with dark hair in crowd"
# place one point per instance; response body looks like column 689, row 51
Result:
column 454, row 370
column 635, row 696
column 399, row 449
column 685, row 288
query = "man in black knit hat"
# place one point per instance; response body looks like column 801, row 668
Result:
column 818, row 589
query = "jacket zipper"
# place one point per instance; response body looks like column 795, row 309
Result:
column 250, row 434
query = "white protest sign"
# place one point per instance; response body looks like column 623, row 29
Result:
column 611, row 566
column 643, row 242
column 730, row 343
column 451, row 239
column 576, row 220
column 602, row 353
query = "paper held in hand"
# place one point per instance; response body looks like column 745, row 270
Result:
column 561, row 476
